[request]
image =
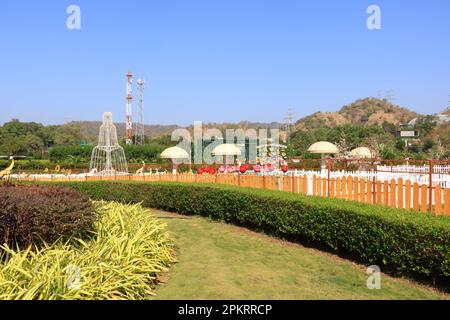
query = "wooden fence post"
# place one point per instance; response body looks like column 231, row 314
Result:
column 362, row 190
column 332, row 191
column 437, row 200
column 423, row 198
column 370, row 198
column 447, row 202
column 344, row 188
column 355, row 189
column 392, row 194
column 338, row 188
column 416, row 196
column 400, row 193
column 314, row 185
column 329, row 177
column 292, row 182
column 408, row 195
column 349, row 188
column 325, row 184
column 386, row 193
column 430, row 198
column 374, row 190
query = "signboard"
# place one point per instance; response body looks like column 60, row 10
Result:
column 408, row 134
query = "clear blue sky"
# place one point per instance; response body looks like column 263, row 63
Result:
column 219, row 60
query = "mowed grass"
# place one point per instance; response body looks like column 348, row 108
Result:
column 221, row 261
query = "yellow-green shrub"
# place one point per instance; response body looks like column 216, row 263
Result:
column 120, row 260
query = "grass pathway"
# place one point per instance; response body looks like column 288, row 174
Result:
column 220, row 261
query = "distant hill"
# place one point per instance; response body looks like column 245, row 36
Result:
column 370, row 111
column 89, row 129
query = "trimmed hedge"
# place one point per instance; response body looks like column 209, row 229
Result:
column 399, row 240
column 36, row 214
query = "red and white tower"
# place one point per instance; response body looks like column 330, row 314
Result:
column 128, row 122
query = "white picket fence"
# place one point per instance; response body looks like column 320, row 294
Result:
column 441, row 174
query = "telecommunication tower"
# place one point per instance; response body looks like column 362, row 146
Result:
column 139, row 134
column 129, row 98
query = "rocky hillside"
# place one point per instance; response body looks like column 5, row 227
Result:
column 369, row 111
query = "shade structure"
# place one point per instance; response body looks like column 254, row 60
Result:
column 323, row 147
column 361, row 152
column 226, row 149
column 174, row 153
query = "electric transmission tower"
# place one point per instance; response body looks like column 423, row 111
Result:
column 129, row 99
column 288, row 123
column 390, row 96
column 140, row 134
column 380, row 94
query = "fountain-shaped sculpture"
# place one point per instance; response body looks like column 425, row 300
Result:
column 108, row 158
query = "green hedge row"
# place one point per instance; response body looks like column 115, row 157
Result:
column 398, row 240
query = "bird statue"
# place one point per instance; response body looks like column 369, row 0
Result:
column 141, row 170
column 7, row 171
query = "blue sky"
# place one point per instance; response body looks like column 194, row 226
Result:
column 219, row 60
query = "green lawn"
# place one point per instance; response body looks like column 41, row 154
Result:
column 220, row 261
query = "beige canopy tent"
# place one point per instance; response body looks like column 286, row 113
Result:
column 361, row 153
column 175, row 154
column 323, row 148
column 226, row 149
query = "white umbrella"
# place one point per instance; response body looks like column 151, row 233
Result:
column 323, row 147
column 226, row 149
column 174, row 153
